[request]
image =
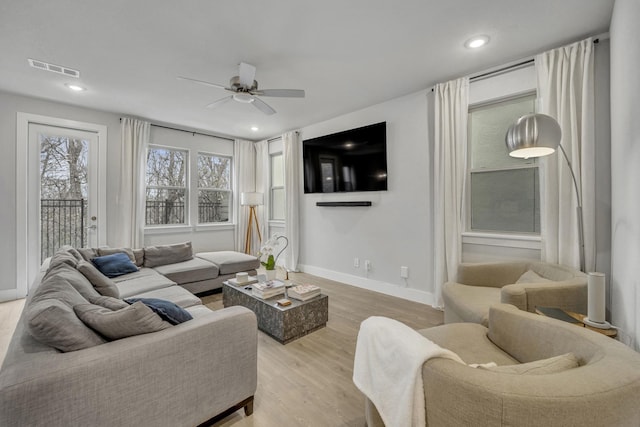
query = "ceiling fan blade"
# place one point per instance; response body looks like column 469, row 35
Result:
column 247, row 74
column 285, row 93
column 219, row 102
column 263, row 106
column 202, row 82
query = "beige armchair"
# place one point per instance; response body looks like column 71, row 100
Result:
column 523, row 284
column 527, row 389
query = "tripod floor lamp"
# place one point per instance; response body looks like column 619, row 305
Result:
column 252, row 200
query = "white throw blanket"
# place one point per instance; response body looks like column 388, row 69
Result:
column 388, row 369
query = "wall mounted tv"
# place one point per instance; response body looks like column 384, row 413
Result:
column 353, row 160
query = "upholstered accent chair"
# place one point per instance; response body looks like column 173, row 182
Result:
column 528, row 386
column 523, row 284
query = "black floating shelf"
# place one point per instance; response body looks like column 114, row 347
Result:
column 338, row 204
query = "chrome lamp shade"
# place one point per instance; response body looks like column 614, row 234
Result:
column 533, row 135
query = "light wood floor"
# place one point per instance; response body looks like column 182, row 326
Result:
column 308, row 381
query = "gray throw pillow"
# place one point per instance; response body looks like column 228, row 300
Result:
column 50, row 317
column 167, row 254
column 135, row 319
column 108, row 302
column 111, row 251
column 100, row 282
column 88, row 253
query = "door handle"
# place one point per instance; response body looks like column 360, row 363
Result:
column 92, row 227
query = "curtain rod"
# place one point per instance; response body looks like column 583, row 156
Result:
column 520, row 64
column 189, row 131
column 275, row 138
column 501, row 70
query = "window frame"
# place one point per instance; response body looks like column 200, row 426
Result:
column 495, row 235
column 196, row 220
column 275, row 187
column 187, row 189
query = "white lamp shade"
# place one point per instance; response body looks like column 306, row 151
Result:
column 533, row 135
column 251, row 199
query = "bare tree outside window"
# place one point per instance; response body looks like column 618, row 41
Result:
column 214, row 188
column 63, row 192
column 166, row 188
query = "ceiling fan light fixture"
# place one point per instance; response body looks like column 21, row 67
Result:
column 245, row 98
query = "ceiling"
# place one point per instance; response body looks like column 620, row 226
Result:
column 346, row 55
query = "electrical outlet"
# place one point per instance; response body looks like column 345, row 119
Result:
column 404, row 272
column 367, row 265
column 356, row 262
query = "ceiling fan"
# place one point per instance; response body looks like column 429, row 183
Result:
column 245, row 90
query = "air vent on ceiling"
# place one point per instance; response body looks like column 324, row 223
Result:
column 41, row 65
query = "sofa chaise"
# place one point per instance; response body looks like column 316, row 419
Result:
column 523, row 284
column 68, row 365
column 549, row 373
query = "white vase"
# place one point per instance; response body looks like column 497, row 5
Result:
column 271, row 274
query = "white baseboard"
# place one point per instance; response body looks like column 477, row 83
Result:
column 369, row 284
column 9, row 295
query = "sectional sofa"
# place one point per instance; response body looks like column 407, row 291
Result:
column 81, row 355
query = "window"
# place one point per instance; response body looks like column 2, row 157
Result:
column 277, row 187
column 504, row 191
column 214, row 188
column 166, row 186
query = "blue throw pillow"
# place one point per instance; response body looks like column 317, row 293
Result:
column 169, row 311
column 114, row 265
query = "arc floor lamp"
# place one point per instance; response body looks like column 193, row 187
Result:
column 537, row 135
column 252, row 200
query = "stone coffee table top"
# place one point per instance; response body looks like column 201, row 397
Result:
column 284, row 324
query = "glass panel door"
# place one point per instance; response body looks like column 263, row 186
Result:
column 67, row 211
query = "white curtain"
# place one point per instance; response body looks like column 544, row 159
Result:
column 131, row 196
column 244, row 157
column 566, row 92
column 450, row 154
column 262, row 185
column 292, row 160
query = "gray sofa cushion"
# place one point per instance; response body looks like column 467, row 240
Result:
column 193, row 270
column 176, row 294
column 100, row 282
column 63, row 257
column 230, row 262
column 50, row 317
column 88, row 253
column 74, row 278
column 167, row 254
column 136, row 319
column 144, row 280
column 110, row 251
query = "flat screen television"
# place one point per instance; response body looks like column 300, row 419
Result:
column 353, row 160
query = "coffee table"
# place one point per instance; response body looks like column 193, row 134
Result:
column 284, row 324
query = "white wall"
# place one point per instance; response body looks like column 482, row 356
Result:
column 10, row 104
column 625, row 168
column 395, row 230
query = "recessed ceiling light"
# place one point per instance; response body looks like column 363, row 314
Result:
column 255, row 128
column 75, row 88
column 476, row 42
